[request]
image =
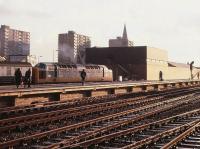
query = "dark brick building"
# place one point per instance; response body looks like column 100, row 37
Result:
column 129, row 62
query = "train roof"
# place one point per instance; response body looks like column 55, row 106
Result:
column 77, row 66
column 7, row 63
column 57, row 64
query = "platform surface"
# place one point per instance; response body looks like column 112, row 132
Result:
column 12, row 88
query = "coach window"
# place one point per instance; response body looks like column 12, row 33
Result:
column 42, row 74
column 8, row 71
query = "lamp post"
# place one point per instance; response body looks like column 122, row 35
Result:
column 53, row 56
column 39, row 58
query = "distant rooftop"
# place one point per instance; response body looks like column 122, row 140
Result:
column 174, row 64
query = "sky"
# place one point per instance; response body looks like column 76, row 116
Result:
column 172, row 25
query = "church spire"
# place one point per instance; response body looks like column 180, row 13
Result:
column 124, row 33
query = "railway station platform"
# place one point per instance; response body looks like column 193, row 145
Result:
column 10, row 96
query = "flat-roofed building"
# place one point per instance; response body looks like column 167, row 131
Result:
column 138, row 63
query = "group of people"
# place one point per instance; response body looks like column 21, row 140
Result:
column 19, row 79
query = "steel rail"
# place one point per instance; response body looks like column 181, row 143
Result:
column 12, row 123
column 101, row 130
column 158, row 136
column 132, row 130
column 49, row 105
column 58, row 130
column 180, row 137
column 60, row 104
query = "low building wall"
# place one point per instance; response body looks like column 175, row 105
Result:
column 169, row 73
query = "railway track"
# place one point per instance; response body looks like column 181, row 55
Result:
column 143, row 136
column 89, row 109
column 57, row 105
column 52, row 106
column 17, row 120
column 82, row 124
column 11, row 123
column 188, row 139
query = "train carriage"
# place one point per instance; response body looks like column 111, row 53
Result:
column 7, row 71
column 55, row 73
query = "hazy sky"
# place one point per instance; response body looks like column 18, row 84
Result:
column 173, row 25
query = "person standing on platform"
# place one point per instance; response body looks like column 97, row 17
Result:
column 160, row 76
column 83, row 76
column 27, row 78
column 18, row 77
column 191, row 68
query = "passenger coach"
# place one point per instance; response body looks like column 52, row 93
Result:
column 55, row 72
column 7, row 71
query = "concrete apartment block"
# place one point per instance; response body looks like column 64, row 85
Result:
column 71, row 47
column 14, row 42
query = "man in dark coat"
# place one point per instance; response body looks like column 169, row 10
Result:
column 27, row 78
column 191, row 68
column 18, row 77
column 160, row 76
column 83, row 76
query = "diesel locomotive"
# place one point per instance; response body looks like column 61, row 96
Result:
column 54, row 72
column 57, row 73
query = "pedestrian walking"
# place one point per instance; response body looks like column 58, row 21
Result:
column 83, row 76
column 27, row 78
column 18, row 77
